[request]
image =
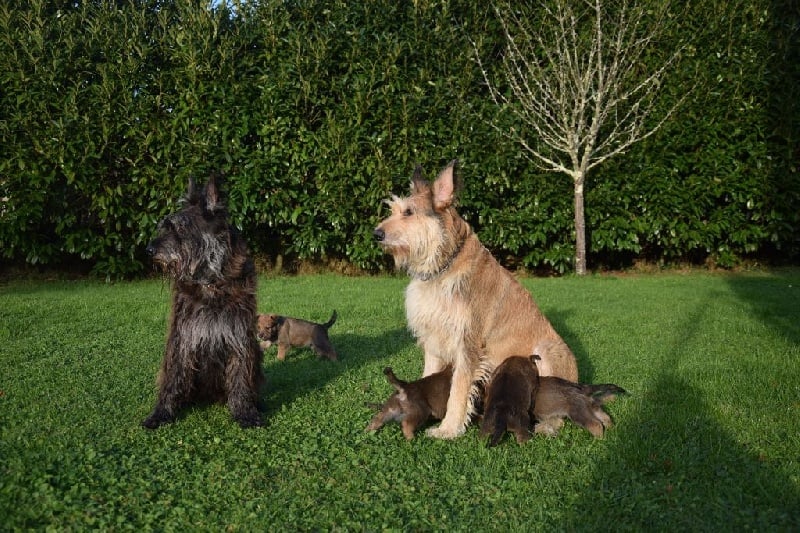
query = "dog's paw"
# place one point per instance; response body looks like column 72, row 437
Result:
column 441, row 432
column 157, row 418
column 249, row 421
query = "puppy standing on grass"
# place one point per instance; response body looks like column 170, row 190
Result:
column 212, row 353
column 414, row 403
column 290, row 332
column 464, row 308
column 510, row 398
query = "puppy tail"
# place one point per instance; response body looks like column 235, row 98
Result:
column 330, row 322
column 605, row 392
column 396, row 383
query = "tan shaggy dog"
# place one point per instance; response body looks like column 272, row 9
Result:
column 463, row 307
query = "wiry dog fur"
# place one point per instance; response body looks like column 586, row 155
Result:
column 290, row 332
column 414, row 403
column 582, row 403
column 211, row 352
column 510, row 398
column 464, row 308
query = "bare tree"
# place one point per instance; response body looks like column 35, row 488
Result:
column 579, row 85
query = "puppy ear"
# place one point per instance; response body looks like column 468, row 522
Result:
column 445, row 187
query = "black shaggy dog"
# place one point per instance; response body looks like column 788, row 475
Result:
column 212, row 353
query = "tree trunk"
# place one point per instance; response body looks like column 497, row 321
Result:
column 580, row 229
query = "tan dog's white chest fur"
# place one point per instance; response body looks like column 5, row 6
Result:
column 438, row 316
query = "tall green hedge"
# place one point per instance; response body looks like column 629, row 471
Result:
column 317, row 111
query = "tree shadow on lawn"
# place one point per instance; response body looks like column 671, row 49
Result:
column 774, row 299
column 302, row 372
column 672, row 466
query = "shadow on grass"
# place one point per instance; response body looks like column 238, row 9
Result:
column 559, row 319
column 773, row 299
column 302, row 372
column 683, row 476
column 673, row 467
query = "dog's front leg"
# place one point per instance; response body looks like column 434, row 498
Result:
column 455, row 419
column 241, row 388
column 433, row 361
column 173, row 384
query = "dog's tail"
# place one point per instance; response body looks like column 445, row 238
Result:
column 396, row 383
column 604, row 392
column 330, row 322
column 493, row 423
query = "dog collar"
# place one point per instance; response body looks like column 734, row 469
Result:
column 429, row 276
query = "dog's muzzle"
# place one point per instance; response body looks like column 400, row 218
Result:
column 379, row 234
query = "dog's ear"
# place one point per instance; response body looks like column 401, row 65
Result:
column 446, row 187
column 418, row 183
column 192, row 196
column 213, row 198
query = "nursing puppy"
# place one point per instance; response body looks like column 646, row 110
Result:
column 582, row 403
column 510, row 398
column 464, row 308
column 414, row 403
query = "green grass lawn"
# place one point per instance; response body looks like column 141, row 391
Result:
column 708, row 439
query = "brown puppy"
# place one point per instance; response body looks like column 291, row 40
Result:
column 465, row 309
column 510, row 396
column 415, row 402
column 290, row 332
column 558, row 398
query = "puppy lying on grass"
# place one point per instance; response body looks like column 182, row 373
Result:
column 414, row 403
column 516, row 396
column 290, row 332
column 582, row 403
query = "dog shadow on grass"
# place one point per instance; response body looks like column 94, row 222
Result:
column 672, row 466
column 302, row 372
column 560, row 319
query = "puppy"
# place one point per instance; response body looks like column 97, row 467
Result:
column 558, row 398
column 290, row 332
column 510, row 397
column 465, row 310
column 414, row 403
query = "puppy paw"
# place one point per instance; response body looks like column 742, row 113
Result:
column 441, row 432
column 545, row 429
